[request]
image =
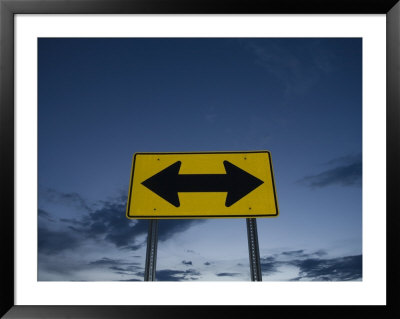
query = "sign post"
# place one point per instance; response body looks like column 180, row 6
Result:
column 151, row 252
column 254, row 251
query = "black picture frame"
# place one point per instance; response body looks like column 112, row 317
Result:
column 9, row 8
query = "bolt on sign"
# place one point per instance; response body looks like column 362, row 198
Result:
column 202, row 185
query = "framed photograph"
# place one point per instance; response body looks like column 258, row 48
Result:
column 201, row 147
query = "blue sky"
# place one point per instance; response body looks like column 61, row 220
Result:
column 102, row 100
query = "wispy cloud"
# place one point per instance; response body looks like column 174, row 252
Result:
column 345, row 160
column 73, row 199
column 210, row 114
column 44, row 214
column 210, row 117
column 118, row 266
column 228, row 274
column 60, row 268
column 298, row 69
column 106, row 262
column 63, row 267
column 294, row 253
column 348, row 172
column 128, row 270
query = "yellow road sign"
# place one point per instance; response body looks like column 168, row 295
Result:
column 202, row 185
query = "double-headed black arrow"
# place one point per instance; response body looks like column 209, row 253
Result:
column 237, row 182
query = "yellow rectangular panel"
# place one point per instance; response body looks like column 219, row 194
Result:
column 202, row 185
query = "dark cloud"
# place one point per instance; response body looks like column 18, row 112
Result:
column 337, row 269
column 53, row 242
column 228, row 274
column 312, row 267
column 177, row 275
column 207, row 263
column 111, row 223
column 187, row 262
column 269, row 265
column 345, row 175
column 108, row 222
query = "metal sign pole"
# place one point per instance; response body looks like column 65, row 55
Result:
column 151, row 252
column 254, row 252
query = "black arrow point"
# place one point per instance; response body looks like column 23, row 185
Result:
column 240, row 183
column 163, row 182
